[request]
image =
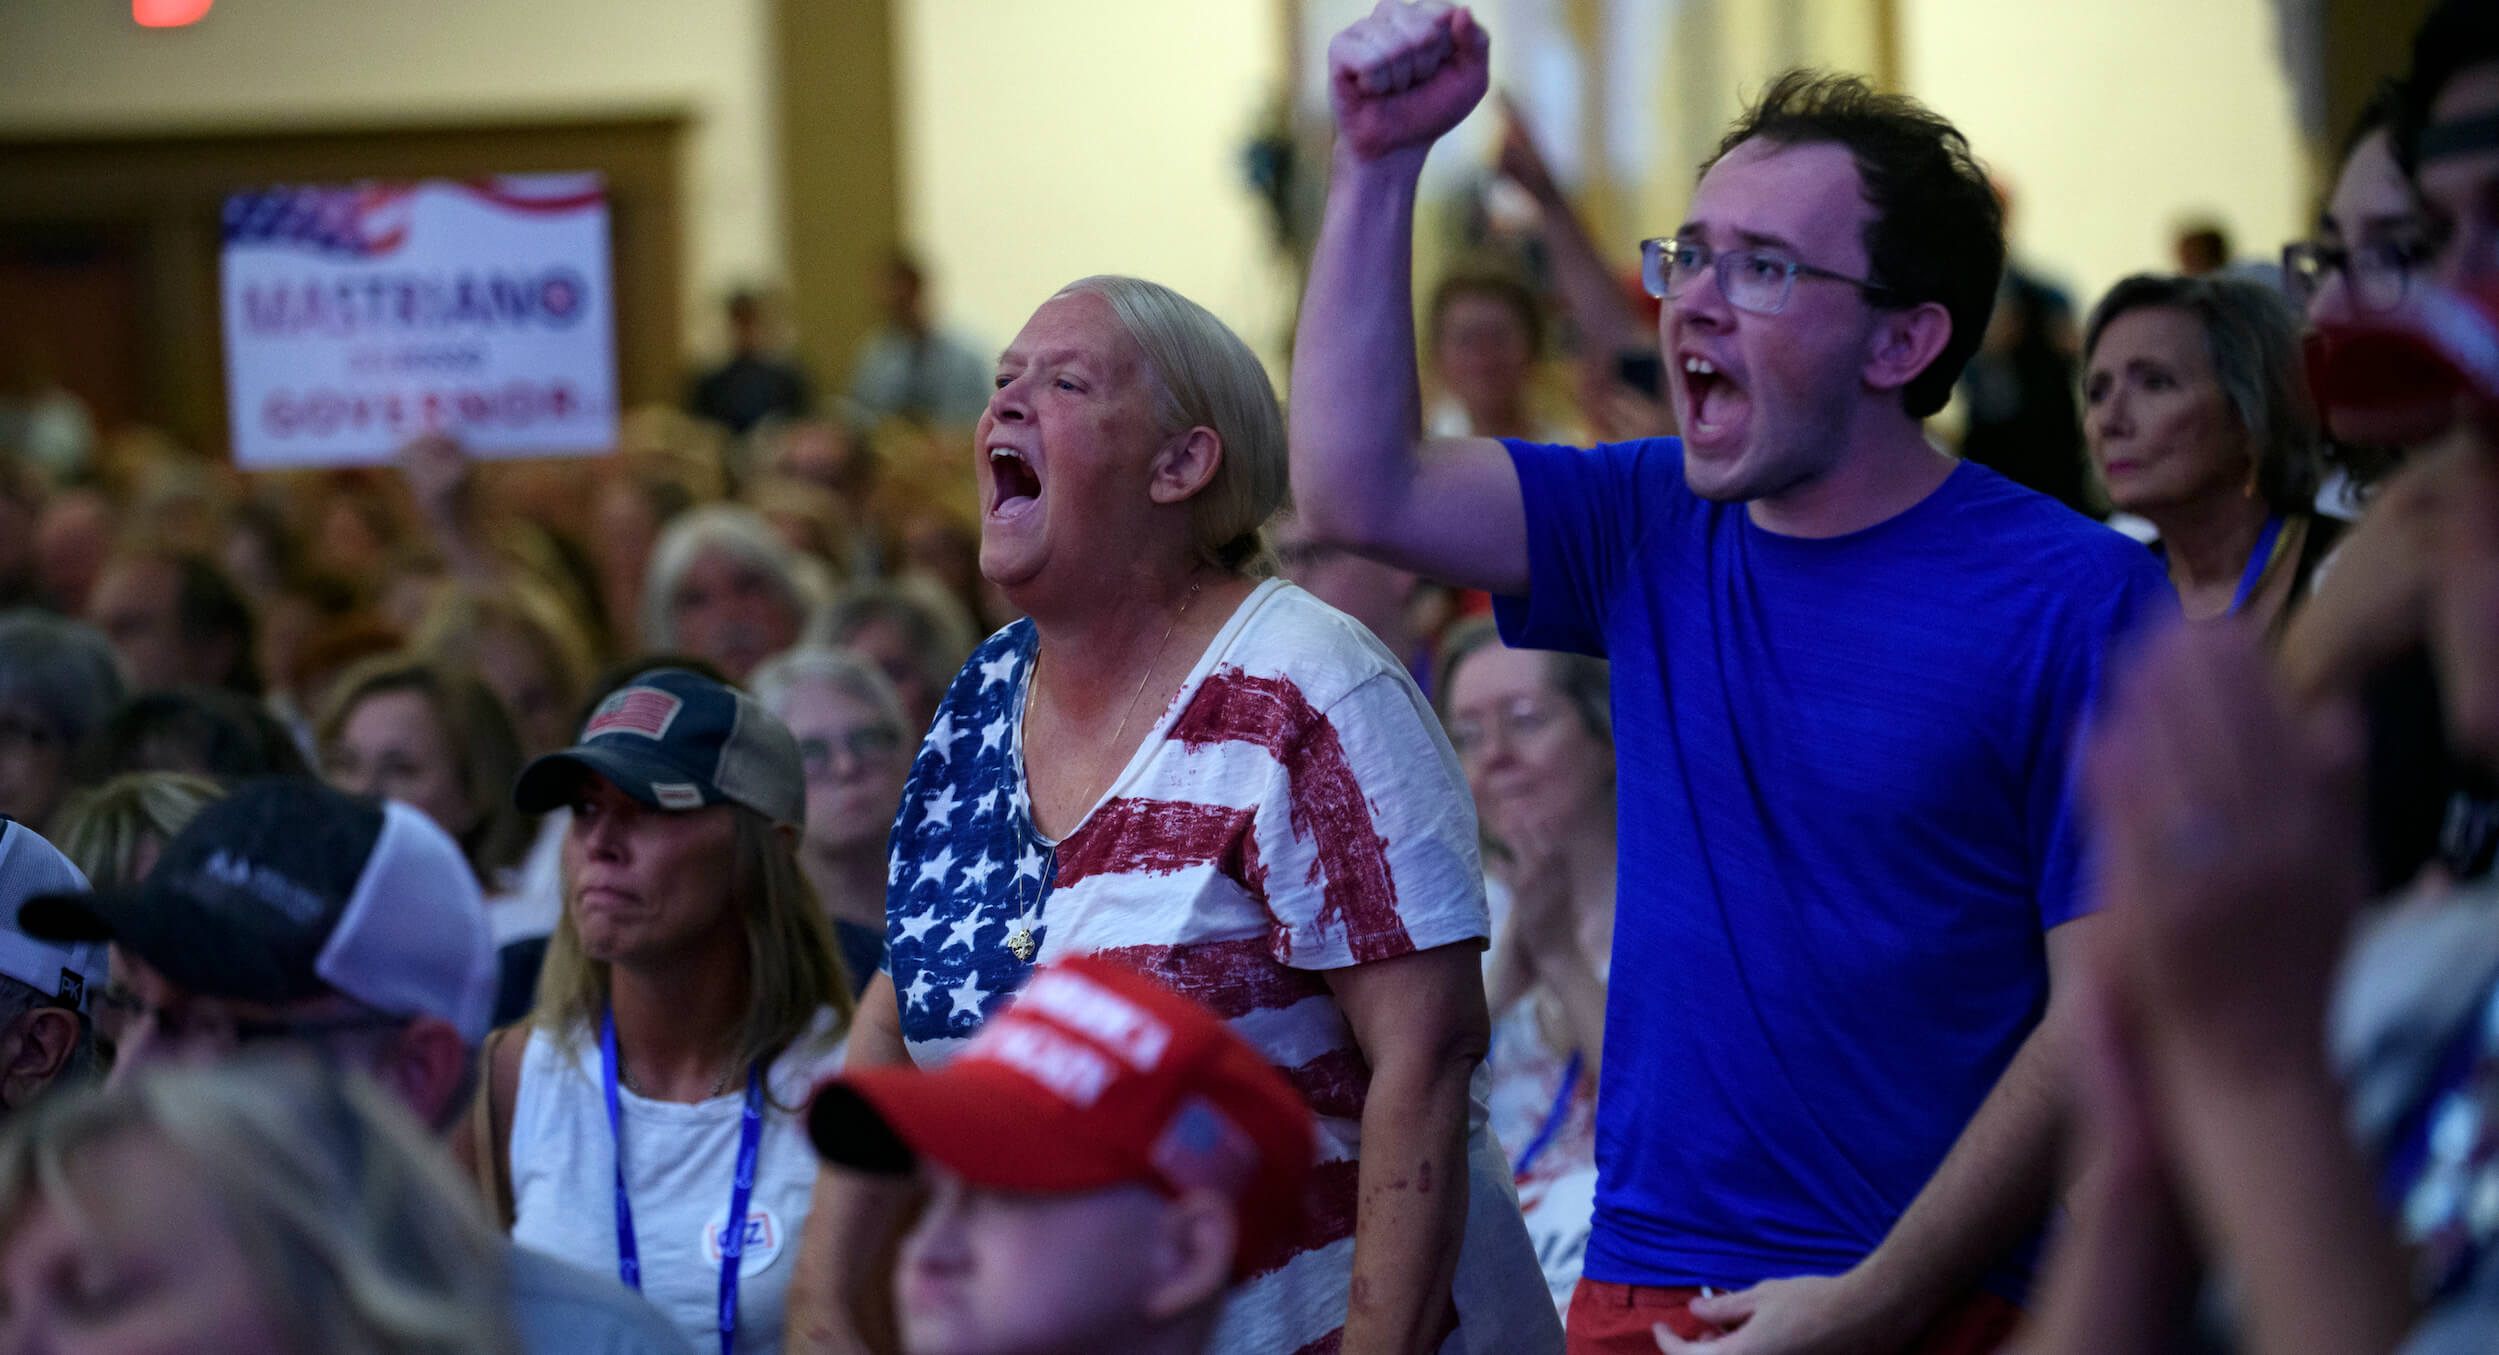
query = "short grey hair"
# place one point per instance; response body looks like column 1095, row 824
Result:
column 933, row 623
column 59, row 670
column 2251, row 335
column 778, row 677
column 1206, row 377
column 741, row 534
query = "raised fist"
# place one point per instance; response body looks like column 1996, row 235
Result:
column 1403, row 76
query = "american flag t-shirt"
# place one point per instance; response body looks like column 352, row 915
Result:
column 1294, row 810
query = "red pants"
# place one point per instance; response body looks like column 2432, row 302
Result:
column 1614, row 1319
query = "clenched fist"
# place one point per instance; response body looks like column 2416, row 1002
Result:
column 1403, row 76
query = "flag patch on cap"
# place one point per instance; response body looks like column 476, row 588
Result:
column 646, row 711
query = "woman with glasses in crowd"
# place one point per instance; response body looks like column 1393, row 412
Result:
column 1535, row 733
column 849, row 726
column 2198, row 420
column 2360, row 635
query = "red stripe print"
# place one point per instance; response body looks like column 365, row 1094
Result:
column 1230, row 978
column 1159, row 837
column 1331, row 1344
column 1359, row 893
column 1328, row 1217
column 1335, row 1083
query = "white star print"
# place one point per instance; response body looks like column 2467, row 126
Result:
column 979, row 871
column 994, row 734
column 941, row 737
column 967, row 996
column 935, row 868
column 939, row 808
column 893, row 867
column 964, row 932
column 920, row 989
column 982, row 807
column 916, row 926
column 1000, row 669
column 1028, row 866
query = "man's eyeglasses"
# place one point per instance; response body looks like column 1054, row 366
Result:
column 1756, row 280
column 866, row 745
column 2375, row 275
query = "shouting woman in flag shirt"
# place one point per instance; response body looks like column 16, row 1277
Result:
column 1214, row 778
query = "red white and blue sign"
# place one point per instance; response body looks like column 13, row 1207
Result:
column 360, row 316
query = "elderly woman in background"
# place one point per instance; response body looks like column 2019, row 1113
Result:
column 851, row 736
column 1216, row 779
column 114, row 832
column 1535, row 733
column 269, row 1209
column 2199, row 422
column 913, row 630
column 58, row 680
column 724, row 587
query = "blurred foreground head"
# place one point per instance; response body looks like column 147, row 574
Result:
column 271, row 1206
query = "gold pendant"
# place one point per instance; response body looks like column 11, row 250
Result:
column 1022, row 944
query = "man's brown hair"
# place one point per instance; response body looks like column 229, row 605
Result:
column 1937, row 233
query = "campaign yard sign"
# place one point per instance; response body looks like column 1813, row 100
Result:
column 359, row 316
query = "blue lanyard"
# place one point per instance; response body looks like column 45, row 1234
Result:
column 1553, row 1118
column 741, row 1186
column 2256, row 562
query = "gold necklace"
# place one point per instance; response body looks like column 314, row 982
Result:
column 634, row 1084
column 1020, row 942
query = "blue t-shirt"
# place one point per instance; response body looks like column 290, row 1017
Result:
column 1846, row 825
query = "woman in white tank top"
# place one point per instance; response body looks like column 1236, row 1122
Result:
column 691, row 997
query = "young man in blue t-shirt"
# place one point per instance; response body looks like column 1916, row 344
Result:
column 1847, row 674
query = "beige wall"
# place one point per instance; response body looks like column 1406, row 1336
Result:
column 83, row 66
column 2112, row 119
column 1043, row 140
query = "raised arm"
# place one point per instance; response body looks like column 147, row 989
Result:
column 1363, row 477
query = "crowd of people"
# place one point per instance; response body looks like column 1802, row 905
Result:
column 628, row 906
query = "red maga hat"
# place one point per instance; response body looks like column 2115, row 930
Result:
column 1095, row 1076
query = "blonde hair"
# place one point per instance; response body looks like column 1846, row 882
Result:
column 461, row 615
column 1206, row 377
column 362, row 1238
column 484, row 746
column 793, row 970
column 102, row 827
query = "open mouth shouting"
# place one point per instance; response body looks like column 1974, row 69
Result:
column 1014, row 485
column 1714, row 403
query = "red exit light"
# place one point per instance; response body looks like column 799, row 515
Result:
column 168, row 13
